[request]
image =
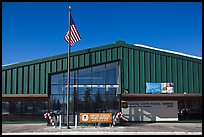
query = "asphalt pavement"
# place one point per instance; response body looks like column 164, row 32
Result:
column 128, row 129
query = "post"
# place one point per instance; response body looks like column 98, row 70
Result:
column 68, row 72
column 75, row 121
column 60, row 121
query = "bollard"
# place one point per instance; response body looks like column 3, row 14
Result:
column 75, row 121
column 60, row 121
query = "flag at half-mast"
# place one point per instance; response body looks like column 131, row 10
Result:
column 72, row 35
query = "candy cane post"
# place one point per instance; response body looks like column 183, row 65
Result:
column 48, row 115
column 117, row 116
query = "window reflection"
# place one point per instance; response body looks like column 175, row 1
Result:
column 189, row 110
column 24, row 111
column 57, row 79
column 5, row 108
column 56, row 102
column 112, row 73
column 40, row 107
column 27, row 107
column 98, row 74
column 93, row 89
column 84, row 76
column 14, row 107
column 56, row 89
column 110, row 89
column 98, row 89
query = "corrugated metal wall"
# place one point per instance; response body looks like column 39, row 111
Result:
column 32, row 77
column 145, row 65
column 139, row 65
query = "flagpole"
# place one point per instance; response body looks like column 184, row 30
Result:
column 68, row 70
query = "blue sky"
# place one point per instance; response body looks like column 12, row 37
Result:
column 33, row 30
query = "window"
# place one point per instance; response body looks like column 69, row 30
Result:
column 5, row 108
column 92, row 89
column 112, row 73
column 190, row 110
column 24, row 111
column 84, row 76
column 98, row 74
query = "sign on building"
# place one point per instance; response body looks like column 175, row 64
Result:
column 95, row 117
column 151, row 111
column 159, row 88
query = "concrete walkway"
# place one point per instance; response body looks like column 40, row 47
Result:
column 131, row 129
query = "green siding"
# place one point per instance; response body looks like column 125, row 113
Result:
column 87, row 60
column 25, row 80
column 93, row 58
column 54, row 66
column 158, row 69
column 136, row 71
column 185, row 76
column 109, row 55
column 59, row 65
column 125, row 67
column 180, row 76
column 139, row 65
column 190, row 76
column 120, row 52
column 20, row 81
column 37, row 79
column 120, row 77
column 163, row 69
column 14, row 81
column 8, row 82
column 169, row 70
column 174, row 74
column 81, row 61
column 31, row 79
column 142, row 73
column 114, row 53
column 103, row 56
column 195, row 77
column 153, row 68
column 98, row 57
column 200, row 77
column 3, row 82
column 147, row 67
column 131, row 72
column 42, row 78
column 48, row 70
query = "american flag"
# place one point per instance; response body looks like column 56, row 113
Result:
column 73, row 33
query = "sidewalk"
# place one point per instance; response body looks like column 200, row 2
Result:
column 133, row 129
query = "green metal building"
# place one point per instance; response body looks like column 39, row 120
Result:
column 108, row 78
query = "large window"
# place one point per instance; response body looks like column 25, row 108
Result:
column 24, row 110
column 92, row 89
column 190, row 110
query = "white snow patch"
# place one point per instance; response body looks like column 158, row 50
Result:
column 168, row 51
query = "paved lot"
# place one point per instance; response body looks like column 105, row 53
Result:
column 133, row 129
